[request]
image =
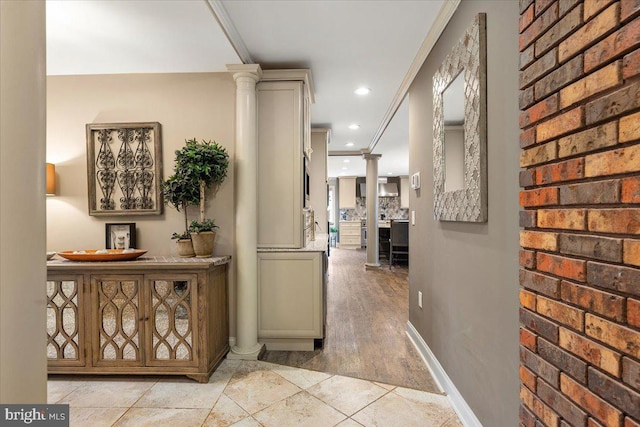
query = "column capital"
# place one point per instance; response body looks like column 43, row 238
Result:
column 369, row 156
column 245, row 70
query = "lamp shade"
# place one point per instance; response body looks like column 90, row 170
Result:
column 51, row 179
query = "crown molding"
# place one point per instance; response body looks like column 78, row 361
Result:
column 223, row 18
column 444, row 16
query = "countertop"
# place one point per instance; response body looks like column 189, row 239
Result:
column 143, row 261
column 321, row 244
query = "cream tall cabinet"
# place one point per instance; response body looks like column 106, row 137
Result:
column 284, row 140
column 347, row 193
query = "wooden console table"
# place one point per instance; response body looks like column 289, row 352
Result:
column 155, row 315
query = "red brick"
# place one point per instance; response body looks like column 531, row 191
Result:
column 528, row 218
column 629, row 8
column 528, row 378
column 602, row 248
column 559, row 77
column 528, row 339
column 629, row 128
column 561, row 313
column 563, row 360
column 538, row 27
column 591, row 7
column 540, row 283
column 539, row 68
column 526, row 18
column 527, row 178
column 538, row 154
column 566, row 5
column 563, row 406
column 539, row 240
column 605, row 135
column 589, row 33
column 631, row 373
column 527, row 419
column 614, row 104
column 539, row 366
column 628, row 422
column 617, row 336
column 633, row 312
column 632, row 252
column 618, row 43
column 539, row 197
column 562, row 171
column 603, row 79
column 614, row 277
column 591, row 403
column 542, row 5
column 539, row 325
column 566, row 219
column 528, row 299
column 527, row 137
column 562, row 124
column 631, row 65
column 538, row 407
column 624, row 221
column 614, row 392
column 559, row 31
column 527, row 56
column 631, row 190
column 527, row 258
column 590, row 193
column 560, row 266
column 594, row 353
column 622, row 160
column 539, row 111
column 593, row 423
column 594, row 300
column 526, row 97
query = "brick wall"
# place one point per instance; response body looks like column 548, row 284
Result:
column 580, row 237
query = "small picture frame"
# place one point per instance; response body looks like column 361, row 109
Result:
column 120, row 235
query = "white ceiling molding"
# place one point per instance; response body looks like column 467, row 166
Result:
column 444, row 15
column 221, row 15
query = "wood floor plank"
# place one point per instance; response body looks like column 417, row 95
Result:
column 367, row 313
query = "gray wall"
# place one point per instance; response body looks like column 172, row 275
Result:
column 468, row 272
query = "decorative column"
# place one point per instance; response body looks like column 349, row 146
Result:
column 246, row 176
column 372, row 210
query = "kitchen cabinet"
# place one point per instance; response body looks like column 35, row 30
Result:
column 157, row 316
column 347, row 193
column 318, row 177
column 404, row 193
column 284, row 139
column 291, row 297
column 350, row 237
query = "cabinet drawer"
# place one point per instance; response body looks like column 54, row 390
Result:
column 350, row 240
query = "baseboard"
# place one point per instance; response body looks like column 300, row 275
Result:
column 442, row 380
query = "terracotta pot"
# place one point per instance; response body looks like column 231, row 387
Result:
column 203, row 243
column 185, row 248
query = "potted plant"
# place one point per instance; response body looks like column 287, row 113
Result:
column 180, row 192
column 204, row 163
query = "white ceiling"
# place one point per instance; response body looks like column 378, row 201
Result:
column 346, row 44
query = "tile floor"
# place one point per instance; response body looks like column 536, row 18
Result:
column 248, row 394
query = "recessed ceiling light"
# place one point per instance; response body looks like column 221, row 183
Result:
column 344, row 168
column 362, row 91
column 389, row 173
column 349, row 144
column 347, row 160
column 354, row 126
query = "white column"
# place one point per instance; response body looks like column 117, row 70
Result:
column 23, row 354
column 245, row 172
column 372, row 210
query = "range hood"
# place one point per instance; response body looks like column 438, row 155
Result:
column 384, row 190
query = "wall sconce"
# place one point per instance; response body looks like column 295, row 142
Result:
column 51, row 179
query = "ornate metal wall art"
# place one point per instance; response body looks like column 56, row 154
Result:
column 124, row 166
column 469, row 59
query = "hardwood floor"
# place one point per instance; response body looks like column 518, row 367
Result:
column 367, row 313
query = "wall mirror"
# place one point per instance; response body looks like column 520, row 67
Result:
column 460, row 129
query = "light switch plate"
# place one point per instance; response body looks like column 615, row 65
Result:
column 415, row 180
column 413, row 217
